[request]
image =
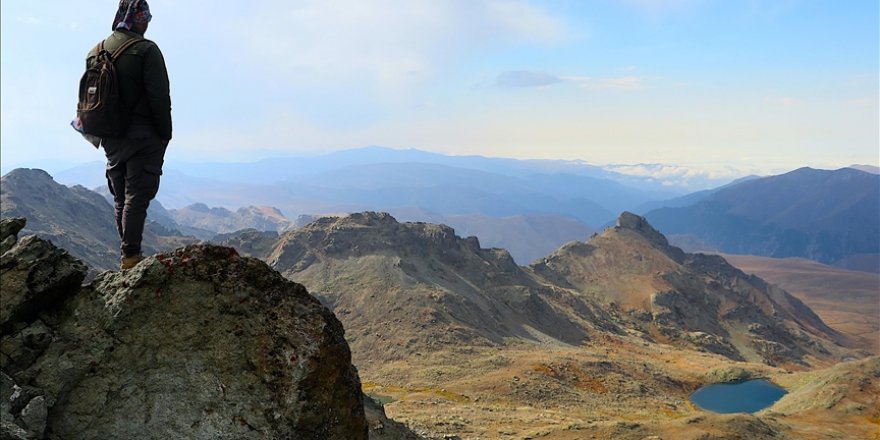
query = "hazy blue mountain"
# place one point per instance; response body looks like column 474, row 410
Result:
column 610, row 194
column 376, row 178
column 222, row 220
column 278, row 169
column 688, row 199
column 817, row 214
column 873, row 169
column 446, row 190
column 283, row 168
column 526, row 237
column 89, row 175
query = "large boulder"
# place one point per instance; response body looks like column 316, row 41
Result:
column 34, row 274
column 198, row 343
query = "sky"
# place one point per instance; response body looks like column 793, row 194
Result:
column 727, row 87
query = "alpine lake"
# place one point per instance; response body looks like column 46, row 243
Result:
column 737, row 397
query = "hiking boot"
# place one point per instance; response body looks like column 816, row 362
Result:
column 132, row 261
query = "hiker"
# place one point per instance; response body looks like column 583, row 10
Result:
column 134, row 159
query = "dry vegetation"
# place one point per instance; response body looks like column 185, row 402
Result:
column 620, row 388
column 848, row 301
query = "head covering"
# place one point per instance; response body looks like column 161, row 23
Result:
column 131, row 12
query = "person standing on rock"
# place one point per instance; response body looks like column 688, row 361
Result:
column 134, row 161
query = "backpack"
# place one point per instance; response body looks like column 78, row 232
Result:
column 100, row 108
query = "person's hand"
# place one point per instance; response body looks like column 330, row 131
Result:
column 165, row 142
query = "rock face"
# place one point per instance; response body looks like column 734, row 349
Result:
column 36, row 274
column 406, row 287
column 403, row 288
column 689, row 299
column 198, row 343
column 249, row 242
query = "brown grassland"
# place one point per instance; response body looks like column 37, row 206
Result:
column 613, row 388
column 847, row 300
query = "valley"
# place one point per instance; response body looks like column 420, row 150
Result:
column 847, row 300
column 604, row 335
column 617, row 388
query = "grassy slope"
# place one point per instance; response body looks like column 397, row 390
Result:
column 848, row 301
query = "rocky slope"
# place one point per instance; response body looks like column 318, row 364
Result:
column 198, row 343
column 847, row 300
column 222, row 221
column 74, row 218
column 402, row 288
column 405, row 287
column 692, row 299
column 249, row 242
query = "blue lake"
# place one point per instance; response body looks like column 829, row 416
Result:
column 747, row 397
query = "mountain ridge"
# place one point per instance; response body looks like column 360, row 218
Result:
column 817, row 214
column 414, row 268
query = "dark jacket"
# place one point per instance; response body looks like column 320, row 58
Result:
column 143, row 81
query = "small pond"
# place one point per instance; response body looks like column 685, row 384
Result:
column 747, row 397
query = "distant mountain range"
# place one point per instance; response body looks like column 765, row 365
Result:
column 79, row 219
column 827, row 216
column 866, row 168
column 384, row 179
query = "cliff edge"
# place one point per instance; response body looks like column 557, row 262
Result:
column 198, row 343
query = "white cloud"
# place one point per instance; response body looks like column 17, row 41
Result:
column 865, row 101
column 657, row 6
column 698, row 175
column 525, row 78
column 29, row 20
column 786, row 101
column 528, row 78
column 629, row 82
column 385, row 42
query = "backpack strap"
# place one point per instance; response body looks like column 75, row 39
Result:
column 119, row 50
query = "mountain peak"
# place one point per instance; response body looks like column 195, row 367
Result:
column 628, row 221
column 30, row 173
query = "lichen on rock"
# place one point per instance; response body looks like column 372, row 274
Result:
column 198, row 343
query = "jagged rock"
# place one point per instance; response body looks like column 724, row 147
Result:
column 694, row 300
column 729, row 374
column 34, row 274
column 383, row 428
column 437, row 289
column 249, row 242
column 11, row 431
column 21, row 349
column 33, row 416
column 13, row 399
column 9, row 228
column 640, row 225
column 199, row 343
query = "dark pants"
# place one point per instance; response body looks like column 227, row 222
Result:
column 134, row 165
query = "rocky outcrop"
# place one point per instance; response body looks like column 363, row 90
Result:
column 75, row 218
column 199, row 343
column 383, row 428
column 36, row 274
column 248, row 242
column 406, row 287
column 692, row 300
column 223, row 221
